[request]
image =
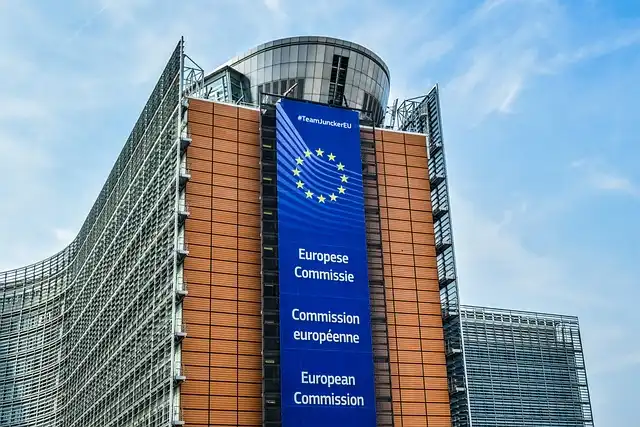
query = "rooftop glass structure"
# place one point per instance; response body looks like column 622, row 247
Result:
column 320, row 69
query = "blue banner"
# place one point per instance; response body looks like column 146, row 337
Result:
column 326, row 355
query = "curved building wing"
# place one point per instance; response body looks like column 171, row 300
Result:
column 87, row 336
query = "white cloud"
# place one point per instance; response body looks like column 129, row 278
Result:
column 273, row 5
column 122, row 12
column 578, row 163
column 64, row 236
column 15, row 107
column 504, row 44
column 600, row 177
column 497, row 268
column 612, row 182
column 598, row 48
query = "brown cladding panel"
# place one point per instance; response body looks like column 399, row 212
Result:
column 195, row 417
column 221, row 353
column 413, row 301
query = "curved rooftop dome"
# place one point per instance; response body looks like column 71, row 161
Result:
column 323, row 69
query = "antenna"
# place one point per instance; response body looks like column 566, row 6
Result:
column 290, row 89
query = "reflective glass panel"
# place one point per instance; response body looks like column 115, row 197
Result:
column 311, row 49
column 284, row 54
column 320, row 53
column 302, row 53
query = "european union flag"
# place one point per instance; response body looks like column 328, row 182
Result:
column 320, row 173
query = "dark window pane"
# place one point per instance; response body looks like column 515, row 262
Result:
column 342, row 76
column 300, row 89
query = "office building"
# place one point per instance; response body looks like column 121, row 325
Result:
column 525, row 369
column 165, row 309
column 202, row 289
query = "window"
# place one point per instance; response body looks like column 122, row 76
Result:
column 339, row 67
column 300, row 89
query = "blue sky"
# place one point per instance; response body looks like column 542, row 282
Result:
column 540, row 102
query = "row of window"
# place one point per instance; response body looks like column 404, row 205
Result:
column 310, row 53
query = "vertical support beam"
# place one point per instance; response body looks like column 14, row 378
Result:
column 174, row 395
column 271, row 396
column 423, row 115
column 377, row 288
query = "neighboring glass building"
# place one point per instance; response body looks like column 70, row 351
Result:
column 323, row 69
column 525, row 369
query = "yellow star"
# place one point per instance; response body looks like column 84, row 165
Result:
column 296, row 172
column 299, row 161
column 319, row 152
column 340, row 166
column 309, row 194
column 307, row 153
column 321, row 198
column 333, row 197
column 300, row 184
column 341, row 189
column 344, row 178
column 332, row 157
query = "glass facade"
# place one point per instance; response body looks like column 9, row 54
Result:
column 90, row 336
column 524, row 369
column 323, row 69
column 227, row 85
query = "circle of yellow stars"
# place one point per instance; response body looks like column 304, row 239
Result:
column 308, row 193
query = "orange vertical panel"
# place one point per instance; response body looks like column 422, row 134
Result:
column 413, row 316
column 226, row 265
